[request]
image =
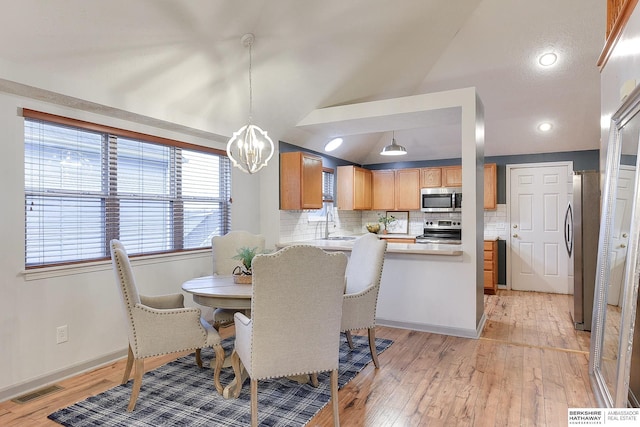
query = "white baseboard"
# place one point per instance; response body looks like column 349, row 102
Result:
column 436, row 329
column 48, row 379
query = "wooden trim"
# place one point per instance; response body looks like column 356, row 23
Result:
column 616, row 32
column 328, row 170
column 67, row 121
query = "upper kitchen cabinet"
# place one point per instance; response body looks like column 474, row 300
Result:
column 383, row 189
column 407, row 189
column 430, row 177
column 396, row 189
column 490, row 186
column 452, row 176
column 300, row 181
column 354, row 188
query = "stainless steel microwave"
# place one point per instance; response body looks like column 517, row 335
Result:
column 442, row 199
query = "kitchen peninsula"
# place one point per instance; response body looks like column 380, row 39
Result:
column 418, row 290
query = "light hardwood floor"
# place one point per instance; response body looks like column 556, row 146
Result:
column 528, row 367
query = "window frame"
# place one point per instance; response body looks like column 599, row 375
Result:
column 109, row 132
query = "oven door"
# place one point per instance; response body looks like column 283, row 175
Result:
column 453, row 234
column 437, row 202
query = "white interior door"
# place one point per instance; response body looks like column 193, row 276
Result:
column 538, row 198
column 620, row 232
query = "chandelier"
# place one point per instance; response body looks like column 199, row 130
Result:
column 250, row 148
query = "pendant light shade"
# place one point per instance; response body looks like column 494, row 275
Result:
column 250, row 148
column 393, row 149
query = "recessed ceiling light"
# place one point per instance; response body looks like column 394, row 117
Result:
column 333, row 144
column 548, row 59
column 545, row 127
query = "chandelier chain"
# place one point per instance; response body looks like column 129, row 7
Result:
column 250, row 86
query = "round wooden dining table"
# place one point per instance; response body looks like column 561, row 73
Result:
column 219, row 292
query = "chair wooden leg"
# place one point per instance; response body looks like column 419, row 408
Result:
column 314, row 379
column 198, row 358
column 137, row 383
column 334, row 398
column 127, row 368
column 254, row 402
column 372, row 346
column 216, row 371
column 349, row 340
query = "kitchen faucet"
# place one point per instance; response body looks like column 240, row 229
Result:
column 326, row 221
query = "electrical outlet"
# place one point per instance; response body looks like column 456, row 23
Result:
column 62, row 334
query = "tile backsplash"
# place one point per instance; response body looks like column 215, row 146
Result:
column 298, row 226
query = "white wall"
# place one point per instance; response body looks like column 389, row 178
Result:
column 84, row 299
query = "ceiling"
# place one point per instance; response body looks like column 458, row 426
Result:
column 181, row 65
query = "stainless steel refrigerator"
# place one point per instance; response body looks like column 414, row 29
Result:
column 581, row 230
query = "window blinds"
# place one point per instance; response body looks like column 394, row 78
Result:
column 85, row 187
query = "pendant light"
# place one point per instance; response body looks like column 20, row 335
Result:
column 250, row 148
column 393, row 149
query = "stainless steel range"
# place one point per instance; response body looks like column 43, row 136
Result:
column 441, row 231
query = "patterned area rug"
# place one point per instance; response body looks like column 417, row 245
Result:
column 180, row 394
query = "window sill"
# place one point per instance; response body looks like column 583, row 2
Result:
column 67, row 270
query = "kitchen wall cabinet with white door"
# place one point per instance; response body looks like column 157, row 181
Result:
column 300, row 181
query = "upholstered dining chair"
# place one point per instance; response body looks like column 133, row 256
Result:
column 364, row 271
column 294, row 328
column 224, row 248
column 159, row 325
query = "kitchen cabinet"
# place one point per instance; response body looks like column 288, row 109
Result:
column 490, row 186
column 452, row 176
column 396, row 189
column 354, row 188
column 300, row 181
column 407, row 189
column 383, row 185
column 398, row 239
column 490, row 266
column 430, row 177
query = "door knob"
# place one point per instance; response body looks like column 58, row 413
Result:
column 515, row 225
column 622, row 245
column 624, row 234
column 515, row 235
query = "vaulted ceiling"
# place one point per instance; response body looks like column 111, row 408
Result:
column 181, row 65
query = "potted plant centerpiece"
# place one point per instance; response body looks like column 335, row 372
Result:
column 242, row 273
column 386, row 220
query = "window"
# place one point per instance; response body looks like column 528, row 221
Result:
column 328, row 185
column 87, row 184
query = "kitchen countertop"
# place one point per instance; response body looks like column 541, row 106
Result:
column 397, row 248
column 397, row 236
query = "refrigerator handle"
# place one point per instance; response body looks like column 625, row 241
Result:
column 568, row 230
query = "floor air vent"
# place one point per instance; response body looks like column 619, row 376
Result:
column 36, row 394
